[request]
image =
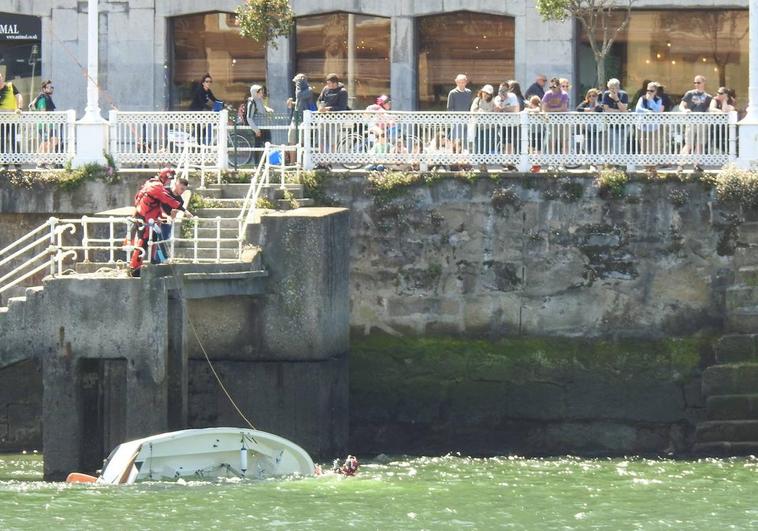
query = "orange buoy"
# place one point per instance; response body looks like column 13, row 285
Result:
column 78, row 477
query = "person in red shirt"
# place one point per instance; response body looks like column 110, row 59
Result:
column 150, row 203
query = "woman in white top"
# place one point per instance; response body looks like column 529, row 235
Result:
column 485, row 134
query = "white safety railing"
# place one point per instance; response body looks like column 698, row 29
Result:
column 215, row 248
column 153, row 139
column 420, row 140
column 37, row 137
column 261, row 178
column 64, row 242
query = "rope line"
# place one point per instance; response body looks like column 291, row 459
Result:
column 111, row 102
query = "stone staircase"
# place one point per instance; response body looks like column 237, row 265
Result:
column 16, row 324
column 227, row 202
column 730, row 386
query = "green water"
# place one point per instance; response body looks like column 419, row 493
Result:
column 408, row 493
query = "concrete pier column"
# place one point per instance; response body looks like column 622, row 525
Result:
column 748, row 130
column 280, row 63
column 403, row 74
column 307, row 306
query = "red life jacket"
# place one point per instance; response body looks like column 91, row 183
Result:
column 151, row 197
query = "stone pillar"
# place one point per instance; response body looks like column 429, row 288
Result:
column 403, row 74
column 91, row 130
column 748, row 130
column 306, row 312
column 279, row 73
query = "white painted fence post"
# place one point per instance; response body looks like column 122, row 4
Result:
column 223, row 127
column 307, row 140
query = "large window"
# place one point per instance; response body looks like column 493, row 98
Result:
column 672, row 47
column 355, row 47
column 20, row 57
column 211, row 43
column 480, row 46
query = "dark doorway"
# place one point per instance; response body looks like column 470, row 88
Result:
column 102, row 402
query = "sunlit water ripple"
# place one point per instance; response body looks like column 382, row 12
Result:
column 408, row 493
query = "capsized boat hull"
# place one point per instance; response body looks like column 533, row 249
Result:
column 205, row 454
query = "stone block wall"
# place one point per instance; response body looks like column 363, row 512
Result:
column 536, row 256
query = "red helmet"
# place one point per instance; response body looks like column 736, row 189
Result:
column 166, row 173
column 383, row 100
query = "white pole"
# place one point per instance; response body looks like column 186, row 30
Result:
column 749, row 125
column 351, row 58
column 92, row 111
column 92, row 129
column 752, row 108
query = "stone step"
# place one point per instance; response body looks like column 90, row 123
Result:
column 239, row 190
column 726, row 448
column 286, row 204
column 741, row 296
column 210, row 232
column 33, row 291
column 279, row 193
column 734, row 379
column 220, row 212
column 727, row 430
column 188, row 254
column 226, row 223
column 744, row 319
column 3, row 310
column 732, row 407
column 747, row 275
column 15, row 301
column 736, row 348
column 748, row 232
column 224, row 244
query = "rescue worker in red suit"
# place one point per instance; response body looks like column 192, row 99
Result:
column 149, row 204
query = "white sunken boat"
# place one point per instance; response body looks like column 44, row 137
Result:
column 204, row 454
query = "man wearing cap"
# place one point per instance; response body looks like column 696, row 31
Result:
column 304, row 101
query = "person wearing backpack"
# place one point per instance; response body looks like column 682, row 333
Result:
column 304, row 101
column 256, row 117
column 50, row 135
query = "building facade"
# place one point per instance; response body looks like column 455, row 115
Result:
column 152, row 51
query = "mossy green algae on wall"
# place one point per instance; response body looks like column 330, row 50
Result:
column 524, row 395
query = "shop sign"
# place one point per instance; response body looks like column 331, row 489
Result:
column 19, row 28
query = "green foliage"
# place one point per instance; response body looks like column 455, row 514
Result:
column 505, row 196
column 737, row 185
column 198, row 202
column 611, row 183
column 558, row 10
column 679, row 197
column 291, row 199
column 390, row 184
column 265, row 202
column 188, row 227
column 265, row 20
column 66, row 179
column 235, row 177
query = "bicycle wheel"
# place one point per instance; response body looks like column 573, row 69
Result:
column 239, row 150
column 352, row 143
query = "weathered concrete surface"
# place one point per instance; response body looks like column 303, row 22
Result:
column 306, row 312
column 529, row 396
column 21, row 407
column 87, row 198
column 306, row 402
column 104, row 319
column 446, row 258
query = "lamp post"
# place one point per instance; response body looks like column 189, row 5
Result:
column 92, row 129
column 749, row 125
